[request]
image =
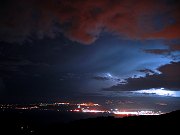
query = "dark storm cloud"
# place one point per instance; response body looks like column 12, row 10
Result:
column 168, row 79
column 83, row 21
column 147, row 71
column 172, row 51
column 158, row 51
column 175, row 47
column 174, row 55
column 101, row 78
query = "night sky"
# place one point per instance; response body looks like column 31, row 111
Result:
column 91, row 50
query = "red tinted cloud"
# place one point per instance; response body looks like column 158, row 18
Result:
column 170, row 32
column 84, row 20
column 175, row 47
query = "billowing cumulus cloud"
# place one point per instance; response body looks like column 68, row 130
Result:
column 84, row 20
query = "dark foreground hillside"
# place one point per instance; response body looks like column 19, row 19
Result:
column 167, row 123
column 11, row 123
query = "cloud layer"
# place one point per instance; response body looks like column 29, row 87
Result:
column 168, row 79
column 83, row 21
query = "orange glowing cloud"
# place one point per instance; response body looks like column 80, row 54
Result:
column 83, row 21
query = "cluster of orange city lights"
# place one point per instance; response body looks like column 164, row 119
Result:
column 81, row 108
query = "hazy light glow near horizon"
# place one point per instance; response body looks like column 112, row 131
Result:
column 159, row 92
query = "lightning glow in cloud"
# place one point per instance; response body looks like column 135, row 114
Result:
column 159, row 92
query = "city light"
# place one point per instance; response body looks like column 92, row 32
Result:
column 66, row 103
column 137, row 113
column 80, row 108
column 88, row 104
column 92, row 111
column 125, row 113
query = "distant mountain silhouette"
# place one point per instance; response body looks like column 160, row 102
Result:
column 148, row 124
